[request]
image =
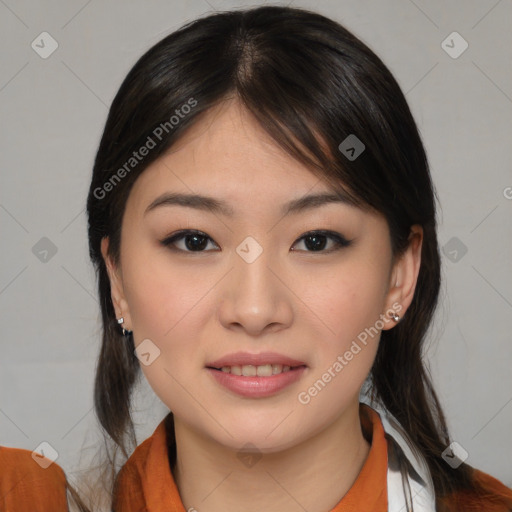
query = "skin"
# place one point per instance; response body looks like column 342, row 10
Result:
column 310, row 305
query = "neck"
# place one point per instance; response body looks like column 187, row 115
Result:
column 313, row 475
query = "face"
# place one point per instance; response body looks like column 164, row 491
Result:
column 313, row 286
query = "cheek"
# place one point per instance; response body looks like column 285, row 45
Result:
column 162, row 294
column 345, row 300
column 166, row 304
column 348, row 304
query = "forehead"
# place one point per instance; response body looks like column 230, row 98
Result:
column 228, row 155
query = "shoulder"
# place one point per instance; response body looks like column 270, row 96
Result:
column 134, row 467
column 129, row 487
column 29, row 481
column 488, row 495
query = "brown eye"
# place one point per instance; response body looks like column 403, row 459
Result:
column 316, row 241
column 193, row 241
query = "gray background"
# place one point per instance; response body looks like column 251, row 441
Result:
column 52, row 114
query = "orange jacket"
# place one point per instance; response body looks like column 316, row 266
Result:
column 146, row 483
column 146, row 478
column 28, row 486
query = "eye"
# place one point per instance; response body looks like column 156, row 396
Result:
column 314, row 241
column 194, row 241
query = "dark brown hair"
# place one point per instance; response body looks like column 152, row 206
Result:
column 310, row 83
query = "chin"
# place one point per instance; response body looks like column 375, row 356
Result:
column 251, row 437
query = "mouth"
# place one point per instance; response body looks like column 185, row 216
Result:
column 258, row 375
column 250, row 370
column 256, row 381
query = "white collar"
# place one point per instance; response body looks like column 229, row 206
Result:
column 422, row 493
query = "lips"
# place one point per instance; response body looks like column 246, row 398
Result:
column 246, row 358
column 249, row 385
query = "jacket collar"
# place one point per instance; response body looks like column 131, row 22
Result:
column 390, row 444
column 420, row 488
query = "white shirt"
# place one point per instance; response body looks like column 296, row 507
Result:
column 419, row 478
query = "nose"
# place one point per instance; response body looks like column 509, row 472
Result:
column 255, row 296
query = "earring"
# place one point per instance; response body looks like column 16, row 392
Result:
column 395, row 317
column 126, row 332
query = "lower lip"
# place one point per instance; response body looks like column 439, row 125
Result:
column 257, row 387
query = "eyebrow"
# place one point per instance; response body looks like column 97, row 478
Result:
column 206, row 203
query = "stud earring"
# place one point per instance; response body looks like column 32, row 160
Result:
column 395, row 317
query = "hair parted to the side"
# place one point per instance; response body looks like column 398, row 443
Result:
column 310, row 83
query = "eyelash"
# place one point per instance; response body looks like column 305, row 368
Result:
column 340, row 241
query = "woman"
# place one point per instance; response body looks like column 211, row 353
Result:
column 262, row 221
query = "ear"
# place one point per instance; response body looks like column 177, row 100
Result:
column 116, row 286
column 404, row 276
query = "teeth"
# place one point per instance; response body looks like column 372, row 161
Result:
column 264, row 370
column 249, row 370
column 236, row 370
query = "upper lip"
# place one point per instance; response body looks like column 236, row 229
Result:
column 246, row 358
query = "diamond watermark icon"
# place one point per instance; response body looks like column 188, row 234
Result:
column 454, row 45
column 44, row 45
column 454, row 455
column 45, row 454
column 249, row 250
column 44, row 250
column 351, row 147
column 147, row 352
column 454, row 249
column 249, row 455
